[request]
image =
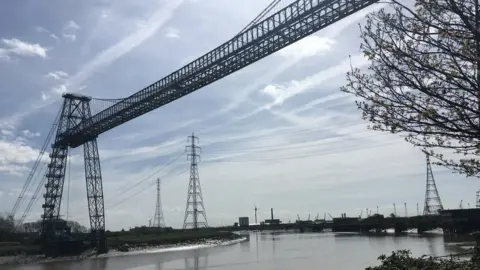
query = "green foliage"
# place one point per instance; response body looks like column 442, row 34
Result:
column 402, row 260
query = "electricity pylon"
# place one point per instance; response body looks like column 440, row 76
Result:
column 158, row 220
column 194, row 207
column 433, row 203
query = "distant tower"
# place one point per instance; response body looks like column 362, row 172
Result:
column 158, row 218
column 256, row 209
column 478, row 199
column 194, row 206
column 433, row 203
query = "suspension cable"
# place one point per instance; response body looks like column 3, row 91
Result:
column 260, row 16
column 35, row 165
column 34, row 198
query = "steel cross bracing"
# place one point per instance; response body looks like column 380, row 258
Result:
column 158, row 220
column 275, row 32
column 433, row 203
column 194, row 206
column 75, row 109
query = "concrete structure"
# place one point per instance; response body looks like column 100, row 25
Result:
column 243, row 221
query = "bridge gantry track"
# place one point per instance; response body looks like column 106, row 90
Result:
column 290, row 24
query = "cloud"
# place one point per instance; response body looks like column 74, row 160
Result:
column 41, row 29
column 16, row 154
column 71, row 25
column 75, row 83
column 172, row 32
column 308, row 47
column 315, row 45
column 28, row 134
column 57, row 75
column 70, row 37
column 20, row 48
column 69, row 31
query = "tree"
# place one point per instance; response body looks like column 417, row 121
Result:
column 7, row 223
column 423, row 78
column 76, row 227
column 402, row 260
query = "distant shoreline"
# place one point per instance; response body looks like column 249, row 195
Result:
column 130, row 249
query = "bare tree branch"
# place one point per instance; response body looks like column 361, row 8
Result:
column 422, row 79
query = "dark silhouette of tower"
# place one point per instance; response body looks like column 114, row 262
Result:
column 194, row 207
column 256, row 209
column 158, row 220
column 478, row 199
column 433, row 203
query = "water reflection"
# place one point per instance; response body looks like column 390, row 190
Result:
column 197, row 262
column 159, row 266
column 271, row 250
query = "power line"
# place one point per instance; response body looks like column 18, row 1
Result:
column 309, row 143
column 278, row 133
column 295, row 157
column 150, row 175
column 139, row 192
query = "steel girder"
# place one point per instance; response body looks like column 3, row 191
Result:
column 75, row 110
column 56, row 171
column 281, row 29
column 93, row 177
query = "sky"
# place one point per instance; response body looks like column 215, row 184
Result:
column 278, row 133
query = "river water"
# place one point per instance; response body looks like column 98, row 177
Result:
column 270, row 250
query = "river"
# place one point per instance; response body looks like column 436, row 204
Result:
column 270, row 250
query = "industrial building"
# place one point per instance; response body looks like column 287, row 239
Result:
column 243, row 221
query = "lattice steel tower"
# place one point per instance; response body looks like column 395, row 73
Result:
column 477, row 199
column 433, row 203
column 158, row 220
column 195, row 207
column 75, row 109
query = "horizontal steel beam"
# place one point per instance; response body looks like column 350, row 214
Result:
column 281, row 29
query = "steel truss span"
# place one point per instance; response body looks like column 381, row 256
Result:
column 277, row 31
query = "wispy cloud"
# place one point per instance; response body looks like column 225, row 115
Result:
column 172, row 32
column 18, row 47
column 315, row 45
column 104, row 58
column 57, row 75
column 70, row 30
